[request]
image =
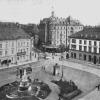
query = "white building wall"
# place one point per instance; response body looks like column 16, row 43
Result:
column 23, row 45
column 87, row 45
column 13, row 47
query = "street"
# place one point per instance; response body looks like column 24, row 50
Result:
column 9, row 75
column 85, row 77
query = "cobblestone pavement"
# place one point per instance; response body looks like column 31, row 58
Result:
column 7, row 75
column 79, row 66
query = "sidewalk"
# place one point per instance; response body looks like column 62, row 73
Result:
column 15, row 65
column 79, row 66
column 94, row 95
column 84, row 63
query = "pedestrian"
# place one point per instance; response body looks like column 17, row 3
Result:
column 21, row 73
column 17, row 72
column 44, row 68
column 59, row 98
column 98, row 87
column 29, row 79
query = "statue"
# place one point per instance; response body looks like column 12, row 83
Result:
column 24, row 77
column 24, row 81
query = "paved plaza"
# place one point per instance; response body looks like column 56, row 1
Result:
column 84, row 76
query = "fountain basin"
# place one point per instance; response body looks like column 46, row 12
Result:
column 39, row 90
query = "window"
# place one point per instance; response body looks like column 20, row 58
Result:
column 18, row 50
column 95, row 43
column 12, row 51
column 73, row 40
column 80, row 55
column 21, row 50
column 6, row 44
column 99, row 60
column 27, row 49
column 12, row 58
column 89, row 58
column 99, row 50
column 12, row 44
column 80, row 47
column 80, row 41
column 90, row 49
column 84, row 56
column 6, row 52
column 84, row 41
column 0, row 45
column 73, row 47
column 24, row 43
column 21, row 43
column 18, row 44
column 85, row 48
column 71, row 54
column 95, row 50
column 0, row 53
column 89, row 42
column 17, row 58
column 75, row 55
column 27, row 44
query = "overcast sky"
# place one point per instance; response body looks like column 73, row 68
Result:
column 31, row 11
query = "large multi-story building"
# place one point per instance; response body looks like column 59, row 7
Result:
column 85, row 45
column 15, row 44
column 55, row 31
column 73, row 26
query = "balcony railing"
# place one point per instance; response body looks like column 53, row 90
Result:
column 21, row 53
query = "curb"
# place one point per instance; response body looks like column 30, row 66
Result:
column 14, row 66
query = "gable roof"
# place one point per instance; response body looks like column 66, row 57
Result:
column 90, row 33
column 12, row 32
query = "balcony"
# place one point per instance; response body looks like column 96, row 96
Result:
column 21, row 53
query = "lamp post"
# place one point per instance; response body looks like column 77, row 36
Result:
column 62, row 74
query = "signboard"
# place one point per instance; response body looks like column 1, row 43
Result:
column 21, row 53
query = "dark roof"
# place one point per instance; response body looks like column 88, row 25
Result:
column 90, row 33
column 72, row 22
column 12, row 32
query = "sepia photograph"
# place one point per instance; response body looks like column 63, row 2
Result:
column 49, row 50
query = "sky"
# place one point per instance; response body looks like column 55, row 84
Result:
column 32, row 11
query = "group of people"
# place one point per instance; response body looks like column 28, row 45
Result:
column 98, row 87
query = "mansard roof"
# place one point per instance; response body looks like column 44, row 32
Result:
column 62, row 21
column 89, row 33
column 9, row 31
column 71, row 21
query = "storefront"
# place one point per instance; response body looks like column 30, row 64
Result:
column 21, row 57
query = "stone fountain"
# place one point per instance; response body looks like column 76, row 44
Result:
column 24, row 89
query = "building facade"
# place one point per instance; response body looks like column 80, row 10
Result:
column 85, row 45
column 55, row 31
column 23, row 50
column 72, row 26
column 15, row 45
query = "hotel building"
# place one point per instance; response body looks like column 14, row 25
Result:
column 55, row 31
